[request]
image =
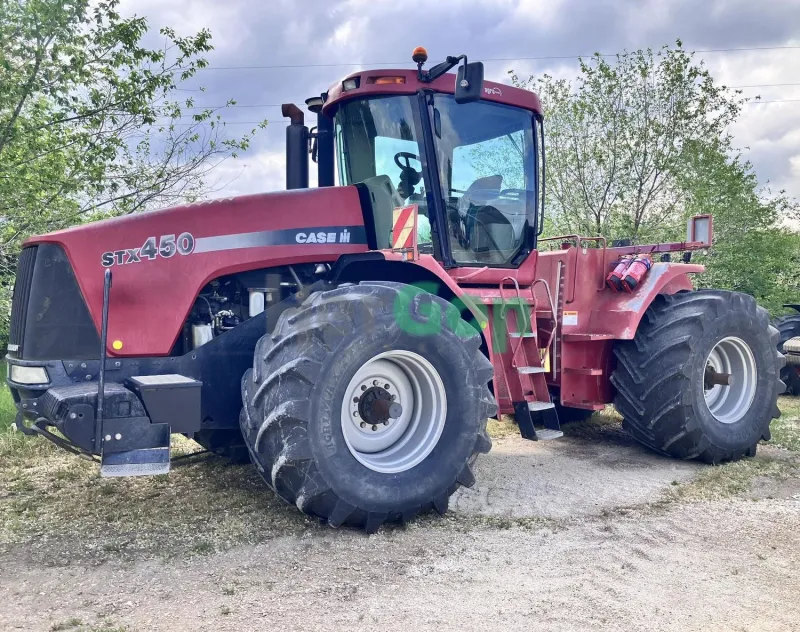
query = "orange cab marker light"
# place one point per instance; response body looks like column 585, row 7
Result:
column 420, row 55
column 387, row 80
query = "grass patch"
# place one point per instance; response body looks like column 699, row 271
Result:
column 730, row 479
column 204, row 505
column 786, row 429
column 201, row 507
column 605, row 425
column 502, row 428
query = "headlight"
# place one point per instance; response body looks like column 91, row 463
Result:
column 350, row 84
column 29, row 374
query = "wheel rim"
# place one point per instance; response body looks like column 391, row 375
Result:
column 732, row 356
column 387, row 438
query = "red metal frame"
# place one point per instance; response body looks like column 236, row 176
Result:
column 497, row 92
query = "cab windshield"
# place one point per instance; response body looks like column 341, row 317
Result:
column 379, row 146
column 487, row 169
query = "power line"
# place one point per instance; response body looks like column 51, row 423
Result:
column 490, row 59
column 277, row 105
column 775, row 101
column 766, row 85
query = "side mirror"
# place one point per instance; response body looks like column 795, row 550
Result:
column 469, row 82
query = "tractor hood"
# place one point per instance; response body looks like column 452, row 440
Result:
column 160, row 260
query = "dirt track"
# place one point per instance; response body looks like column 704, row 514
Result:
column 566, row 535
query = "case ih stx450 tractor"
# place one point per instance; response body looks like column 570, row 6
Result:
column 353, row 340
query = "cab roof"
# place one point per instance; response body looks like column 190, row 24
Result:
column 369, row 85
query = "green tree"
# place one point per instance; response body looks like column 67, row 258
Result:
column 755, row 250
column 90, row 124
column 637, row 146
column 616, row 137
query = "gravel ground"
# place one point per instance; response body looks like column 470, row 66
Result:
column 591, row 532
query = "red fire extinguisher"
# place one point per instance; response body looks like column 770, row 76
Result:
column 614, row 278
column 638, row 269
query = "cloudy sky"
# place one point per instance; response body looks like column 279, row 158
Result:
column 293, row 49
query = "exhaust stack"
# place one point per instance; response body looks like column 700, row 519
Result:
column 296, row 147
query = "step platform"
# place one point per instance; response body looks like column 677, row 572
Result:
column 142, row 462
column 140, row 445
column 530, row 414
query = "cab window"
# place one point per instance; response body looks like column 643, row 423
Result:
column 486, row 161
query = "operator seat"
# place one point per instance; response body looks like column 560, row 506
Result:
column 491, row 236
column 384, row 199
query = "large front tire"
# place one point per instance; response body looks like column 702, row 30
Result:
column 321, row 389
column 666, row 394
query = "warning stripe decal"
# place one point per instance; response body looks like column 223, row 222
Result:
column 403, row 228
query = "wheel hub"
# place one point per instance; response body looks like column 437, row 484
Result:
column 730, row 380
column 377, row 406
column 394, row 411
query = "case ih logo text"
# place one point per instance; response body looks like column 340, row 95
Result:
column 165, row 246
column 323, row 238
column 496, row 91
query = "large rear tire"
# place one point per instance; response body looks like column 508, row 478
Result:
column 321, row 415
column 666, row 394
column 789, row 327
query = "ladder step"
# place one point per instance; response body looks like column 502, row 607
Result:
column 545, row 434
column 586, row 337
column 530, row 370
column 516, row 334
column 582, row 371
column 540, row 405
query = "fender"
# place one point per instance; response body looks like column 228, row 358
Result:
column 618, row 315
column 386, row 265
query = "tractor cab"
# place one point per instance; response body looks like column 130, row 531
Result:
column 464, row 151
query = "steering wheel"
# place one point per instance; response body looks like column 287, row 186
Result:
column 408, row 156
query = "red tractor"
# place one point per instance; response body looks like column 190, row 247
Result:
column 352, row 340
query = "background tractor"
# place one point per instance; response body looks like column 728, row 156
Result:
column 353, row 339
column 789, row 344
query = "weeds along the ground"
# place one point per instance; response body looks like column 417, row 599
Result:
column 49, row 497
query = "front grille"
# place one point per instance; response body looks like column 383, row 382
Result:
column 19, row 305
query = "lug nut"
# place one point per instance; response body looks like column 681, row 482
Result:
column 363, row 424
column 374, row 428
column 355, row 413
column 363, row 388
column 386, row 423
column 394, row 397
column 387, row 386
column 374, row 382
column 355, row 400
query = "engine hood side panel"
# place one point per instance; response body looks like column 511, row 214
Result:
column 157, row 274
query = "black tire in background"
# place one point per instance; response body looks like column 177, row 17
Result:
column 789, row 327
column 293, row 398
column 660, row 375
